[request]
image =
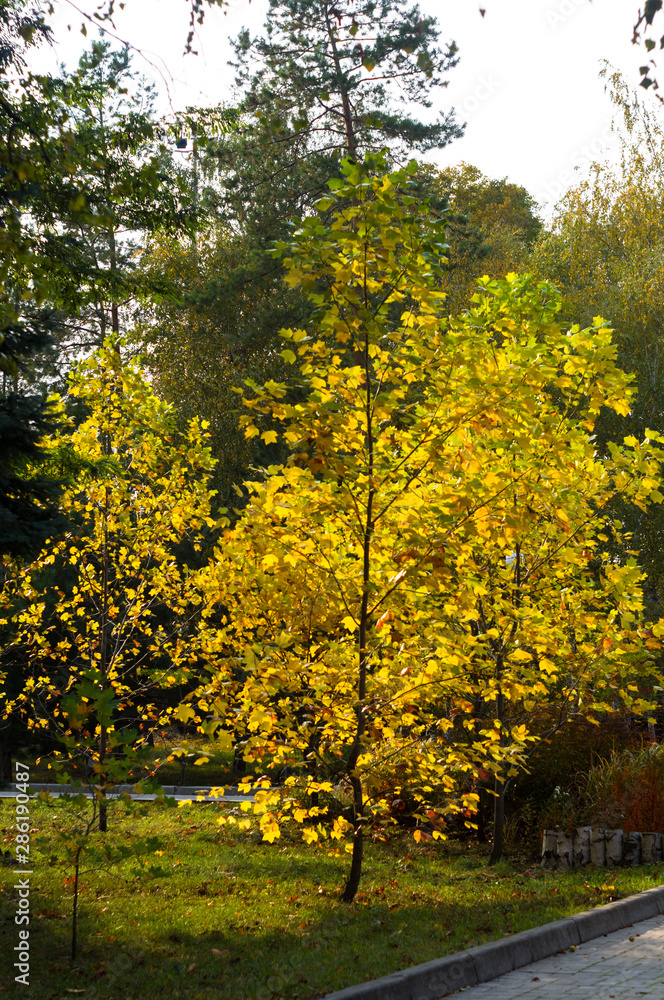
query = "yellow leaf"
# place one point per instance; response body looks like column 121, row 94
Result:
column 270, row 831
column 520, row 655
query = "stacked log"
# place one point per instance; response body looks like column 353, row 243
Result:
column 651, row 848
column 597, row 847
column 602, row 848
column 581, row 847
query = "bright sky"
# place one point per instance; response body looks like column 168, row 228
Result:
column 527, row 81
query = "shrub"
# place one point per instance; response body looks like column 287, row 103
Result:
column 552, row 792
column 627, row 790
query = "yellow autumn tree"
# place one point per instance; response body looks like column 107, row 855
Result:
column 427, row 550
column 104, row 620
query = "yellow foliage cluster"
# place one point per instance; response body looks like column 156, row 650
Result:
column 102, row 617
column 426, row 572
column 401, row 602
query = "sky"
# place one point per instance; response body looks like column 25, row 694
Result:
column 527, row 82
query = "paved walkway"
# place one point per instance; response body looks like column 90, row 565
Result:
column 181, row 793
column 614, row 966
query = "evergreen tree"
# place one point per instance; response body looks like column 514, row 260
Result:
column 125, row 185
column 81, row 160
column 27, row 496
column 326, row 80
column 340, row 74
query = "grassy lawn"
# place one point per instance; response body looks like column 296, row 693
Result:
column 238, row 918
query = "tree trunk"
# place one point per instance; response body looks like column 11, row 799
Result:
column 239, row 763
column 351, row 141
column 481, row 817
column 355, row 873
column 103, row 664
column 500, row 783
column 74, row 916
column 498, row 821
column 103, row 805
column 363, row 638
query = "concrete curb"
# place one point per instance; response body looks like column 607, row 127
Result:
column 443, row 976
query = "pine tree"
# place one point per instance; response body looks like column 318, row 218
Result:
column 326, row 80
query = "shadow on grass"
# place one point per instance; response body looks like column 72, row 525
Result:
column 302, row 959
column 174, row 945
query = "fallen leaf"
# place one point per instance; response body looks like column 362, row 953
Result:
column 220, row 954
column 191, row 967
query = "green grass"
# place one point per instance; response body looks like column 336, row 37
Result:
column 238, row 918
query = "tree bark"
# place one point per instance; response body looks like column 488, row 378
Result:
column 498, row 845
column 351, row 141
column 499, row 786
column 239, row 763
column 355, row 873
column 103, row 656
column 74, row 916
column 501, row 781
column 358, row 800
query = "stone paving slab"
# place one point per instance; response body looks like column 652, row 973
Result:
column 611, row 967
